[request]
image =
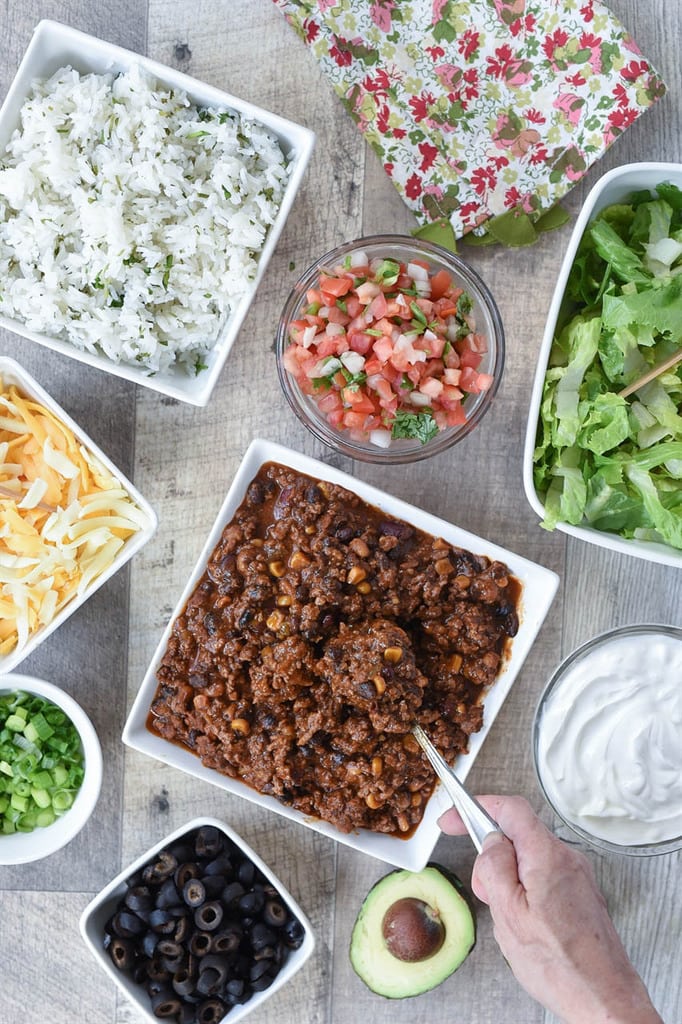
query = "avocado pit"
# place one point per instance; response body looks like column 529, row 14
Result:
column 412, row 930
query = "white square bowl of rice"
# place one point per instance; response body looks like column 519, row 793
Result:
column 69, row 519
column 138, row 210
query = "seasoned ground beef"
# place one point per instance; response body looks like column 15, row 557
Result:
column 320, row 631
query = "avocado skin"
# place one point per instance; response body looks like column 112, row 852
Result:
column 395, row 979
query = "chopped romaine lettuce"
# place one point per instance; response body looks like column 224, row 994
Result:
column 602, row 459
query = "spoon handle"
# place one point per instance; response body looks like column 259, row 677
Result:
column 478, row 822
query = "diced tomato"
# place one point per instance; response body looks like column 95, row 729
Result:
column 360, row 342
column 469, row 359
column 406, row 359
column 440, row 282
column 336, row 286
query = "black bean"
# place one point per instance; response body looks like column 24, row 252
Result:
column 255, row 493
column 343, row 533
column 211, row 623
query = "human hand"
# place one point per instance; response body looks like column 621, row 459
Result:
column 551, row 922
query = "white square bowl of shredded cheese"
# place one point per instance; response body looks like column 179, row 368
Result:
column 69, row 519
column 139, row 209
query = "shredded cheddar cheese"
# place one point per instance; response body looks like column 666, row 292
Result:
column 63, row 517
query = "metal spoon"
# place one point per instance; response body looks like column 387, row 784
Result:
column 478, row 822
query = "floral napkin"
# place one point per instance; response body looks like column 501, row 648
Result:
column 484, row 113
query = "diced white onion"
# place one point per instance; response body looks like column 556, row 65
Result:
column 381, row 438
column 308, row 336
column 417, row 398
column 358, row 258
column 417, row 273
column 353, row 361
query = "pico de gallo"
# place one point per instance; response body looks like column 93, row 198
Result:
column 387, row 349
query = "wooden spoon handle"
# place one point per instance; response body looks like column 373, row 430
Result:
column 667, row 364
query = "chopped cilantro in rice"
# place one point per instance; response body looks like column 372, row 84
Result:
column 130, row 220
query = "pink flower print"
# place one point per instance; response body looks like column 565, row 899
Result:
column 513, row 197
column 588, row 41
column 379, row 83
column 468, row 43
column 399, row 133
column 429, row 154
column 389, row 169
column 511, row 135
column 570, row 105
column 312, row 31
column 509, row 11
column 325, row 5
column 483, row 179
column 437, row 10
column 535, row 116
column 509, row 68
column 525, row 25
column 448, row 75
column 383, row 115
column 553, row 43
column 621, row 118
column 380, row 12
column 435, row 52
column 434, row 190
column 421, row 105
column 587, row 11
column 413, row 187
column 632, row 71
column 621, row 96
column 577, row 80
column 539, row 156
column 343, row 58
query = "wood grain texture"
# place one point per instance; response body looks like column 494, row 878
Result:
column 183, row 460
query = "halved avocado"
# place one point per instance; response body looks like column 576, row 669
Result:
column 413, row 931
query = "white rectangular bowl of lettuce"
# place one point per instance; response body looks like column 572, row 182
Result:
column 613, row 187
column 54, row 46
column 12, row 373
column 538, row 589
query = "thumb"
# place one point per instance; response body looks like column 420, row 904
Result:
column 496, row 871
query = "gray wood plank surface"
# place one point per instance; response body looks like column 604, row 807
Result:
column 183, row 459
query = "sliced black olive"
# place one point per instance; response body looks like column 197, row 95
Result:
column 149, row 942
column 219, row 866
column 156, row 971
column 139, row 899
column 194, row 892
column 211, row 1011
column 266, row 953
column 210, row 981
column 168, row 895
column 200, row 943
column 122, row 953
column 125, row 924
column 258, row 969
column 183, row 929
column 235, row 987
column 166, row 1004
column 261, row 936
column 246, row 873
column 162, row 921
column 232, row 892
column 275, row 913
column 161, row 868
column 227, row 940
column 214, row 885
column 208, row 842
column 139, row 974
column 172, row 953
column 183, row 982
column 293, row 933
column 183, row 873
column 260, row 984
column 251, row 902
column 208, row 916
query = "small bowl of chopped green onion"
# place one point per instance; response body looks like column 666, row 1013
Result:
column 390, row 349
column 50, row 769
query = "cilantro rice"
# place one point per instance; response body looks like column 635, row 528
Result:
column 130, row 220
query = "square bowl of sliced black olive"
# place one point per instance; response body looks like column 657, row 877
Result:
column 197, row 930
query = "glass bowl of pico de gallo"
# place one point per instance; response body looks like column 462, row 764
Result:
column 390, row 349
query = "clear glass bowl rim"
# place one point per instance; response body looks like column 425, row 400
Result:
column 445, row 439
column 634, row 629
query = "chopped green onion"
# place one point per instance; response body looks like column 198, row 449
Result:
column 41, row 762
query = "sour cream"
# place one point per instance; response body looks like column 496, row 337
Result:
column 609, row 739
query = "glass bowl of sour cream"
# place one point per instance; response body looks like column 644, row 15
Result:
column 607, row 740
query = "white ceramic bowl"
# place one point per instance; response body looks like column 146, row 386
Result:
column 54, row 46
column 538, row 589
column 23, row 847
column 12, row 373
column 613, row 187
column 619, row 760
column 100, row 909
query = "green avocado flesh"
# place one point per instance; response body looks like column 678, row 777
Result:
column 425, row 918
